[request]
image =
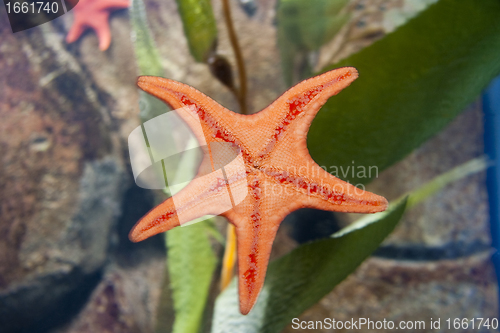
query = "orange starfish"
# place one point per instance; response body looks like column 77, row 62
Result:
column 94, row 14
column 279, row 175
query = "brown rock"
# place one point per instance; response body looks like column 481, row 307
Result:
column 122, row 302
column 61, row 175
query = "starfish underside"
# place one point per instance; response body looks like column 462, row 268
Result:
column 278, row 177
column 94, row 14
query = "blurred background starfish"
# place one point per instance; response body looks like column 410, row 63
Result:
column 94, row 14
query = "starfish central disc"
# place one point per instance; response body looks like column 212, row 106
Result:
column 279, row 174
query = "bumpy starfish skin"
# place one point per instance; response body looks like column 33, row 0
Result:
column 280, row 175
column 94, row 14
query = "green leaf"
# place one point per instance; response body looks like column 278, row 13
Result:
column 146, row 53
column 191, row 263
column 199, row 26
column 412, row 83
column 148, row 59
column 302, row 277
column 304, row 26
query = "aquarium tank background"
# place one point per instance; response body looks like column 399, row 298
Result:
column 419, row 127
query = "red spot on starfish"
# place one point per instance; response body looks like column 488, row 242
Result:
column 94, row 14
column 279, row 177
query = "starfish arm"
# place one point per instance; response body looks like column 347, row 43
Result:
column 255, row 242
column 257, row 220
column 209, row 193
column 328, row 192
column 112, row 4
column 320, row 189
column 218, row 123
column 159, row 219
column 298, row 106
column 179, row 95
column 76, row 31
column 206, row 195
column 101, row 26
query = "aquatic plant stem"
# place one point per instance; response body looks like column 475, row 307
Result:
column 230, row 250
column 238, row 55
column 229, row 260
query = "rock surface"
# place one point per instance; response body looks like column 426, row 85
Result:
column 122, row 302
column 62, row 176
